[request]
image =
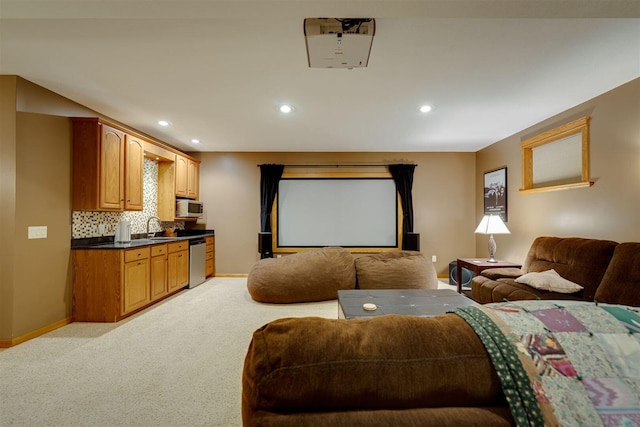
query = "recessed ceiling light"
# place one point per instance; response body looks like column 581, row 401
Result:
column 425, row 108
column 163, row 123
column 286, row 109
column 195, row 141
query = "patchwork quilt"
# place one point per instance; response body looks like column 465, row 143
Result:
column 564, row 363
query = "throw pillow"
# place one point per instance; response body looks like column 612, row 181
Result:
column 549, row 280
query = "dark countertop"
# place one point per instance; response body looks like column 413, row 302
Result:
column 137, row 241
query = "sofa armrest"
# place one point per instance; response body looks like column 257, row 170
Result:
column 312, row 364
column 502, row 273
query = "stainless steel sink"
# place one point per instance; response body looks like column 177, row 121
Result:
column 162, row 238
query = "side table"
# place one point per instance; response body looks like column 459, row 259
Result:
column 477, row 265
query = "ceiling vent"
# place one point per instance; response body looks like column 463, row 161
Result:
column 339, row 42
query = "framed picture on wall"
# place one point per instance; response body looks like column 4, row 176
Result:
column 495, row 193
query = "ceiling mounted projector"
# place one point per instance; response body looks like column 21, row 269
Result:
column 339, row 42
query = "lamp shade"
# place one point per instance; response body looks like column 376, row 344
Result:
column 492, row 224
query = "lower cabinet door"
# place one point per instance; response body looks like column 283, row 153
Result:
column 136, row 292
column 183, row 275
column 173, row 271
column 158, row 277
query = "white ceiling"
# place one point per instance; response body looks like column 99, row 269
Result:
column 217, row 69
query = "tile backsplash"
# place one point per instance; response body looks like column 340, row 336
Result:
column 86, row 223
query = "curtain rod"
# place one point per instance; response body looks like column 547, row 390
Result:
column 328, row 165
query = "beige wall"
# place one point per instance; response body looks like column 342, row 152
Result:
column 35, row 190
column 7, row 200
column 610, row 209
column 42, row 287
column 443, row 197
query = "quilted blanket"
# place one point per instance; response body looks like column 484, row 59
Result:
column 564, row 363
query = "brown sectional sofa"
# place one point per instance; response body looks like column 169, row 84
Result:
column 608, row 271
column 406, row 371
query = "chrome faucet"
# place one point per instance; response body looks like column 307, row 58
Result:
column 150, row 235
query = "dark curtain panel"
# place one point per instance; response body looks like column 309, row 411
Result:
column 270, row 175
column 403, row 177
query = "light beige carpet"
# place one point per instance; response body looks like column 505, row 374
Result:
column 178, row 363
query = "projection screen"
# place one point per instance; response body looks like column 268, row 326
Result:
column 348, row 212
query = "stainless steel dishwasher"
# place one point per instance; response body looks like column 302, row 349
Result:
column 197, row 261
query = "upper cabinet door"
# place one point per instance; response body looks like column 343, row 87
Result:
column 182, row 179
column 111, row 168
column 193, row 177
column 134, row 166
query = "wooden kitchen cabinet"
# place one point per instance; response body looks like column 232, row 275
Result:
column 159, row 272
column 210, row 266
column 134, row 173
column 182, row 176
column 100, row 170
column 193, row 178
column 187, row 178
column 175, row 181
column 111, row 284
column 177, row 265
column 136, row 283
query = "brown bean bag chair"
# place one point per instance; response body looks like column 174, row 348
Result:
column 315, row 275
column 396, row 270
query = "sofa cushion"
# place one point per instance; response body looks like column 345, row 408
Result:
column 583, row 261
column 499, row 273
column 396, row 270
column 621, row 282
column 549, row 280
column 485, row 290
column 314, row 275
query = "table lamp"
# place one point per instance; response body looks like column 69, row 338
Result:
column 492, row 224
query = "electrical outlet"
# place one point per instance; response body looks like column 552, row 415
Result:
column 39, row 232
column 434, row 258
column 101, row 229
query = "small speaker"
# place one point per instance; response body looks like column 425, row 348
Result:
column 467, row 275
column 411, row 242
column 264, row 245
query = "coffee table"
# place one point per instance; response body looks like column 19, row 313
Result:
column 414, row 302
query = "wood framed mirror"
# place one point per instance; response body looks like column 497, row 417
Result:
column 557, row 159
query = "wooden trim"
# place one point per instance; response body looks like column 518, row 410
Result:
column 35, row 334
column 231, row 275
column 581, row 126
column 557, row 187
column 556, row 133
column 157, row 151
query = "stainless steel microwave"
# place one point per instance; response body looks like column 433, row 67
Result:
column 186, row 208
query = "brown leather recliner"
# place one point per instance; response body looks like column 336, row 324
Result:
column 608, row 271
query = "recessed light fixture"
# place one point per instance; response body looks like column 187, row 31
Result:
column 195, row 141
column 286, row 109
column 163, row 123
column 425, row 108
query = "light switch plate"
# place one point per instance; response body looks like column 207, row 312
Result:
column 39, row 232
